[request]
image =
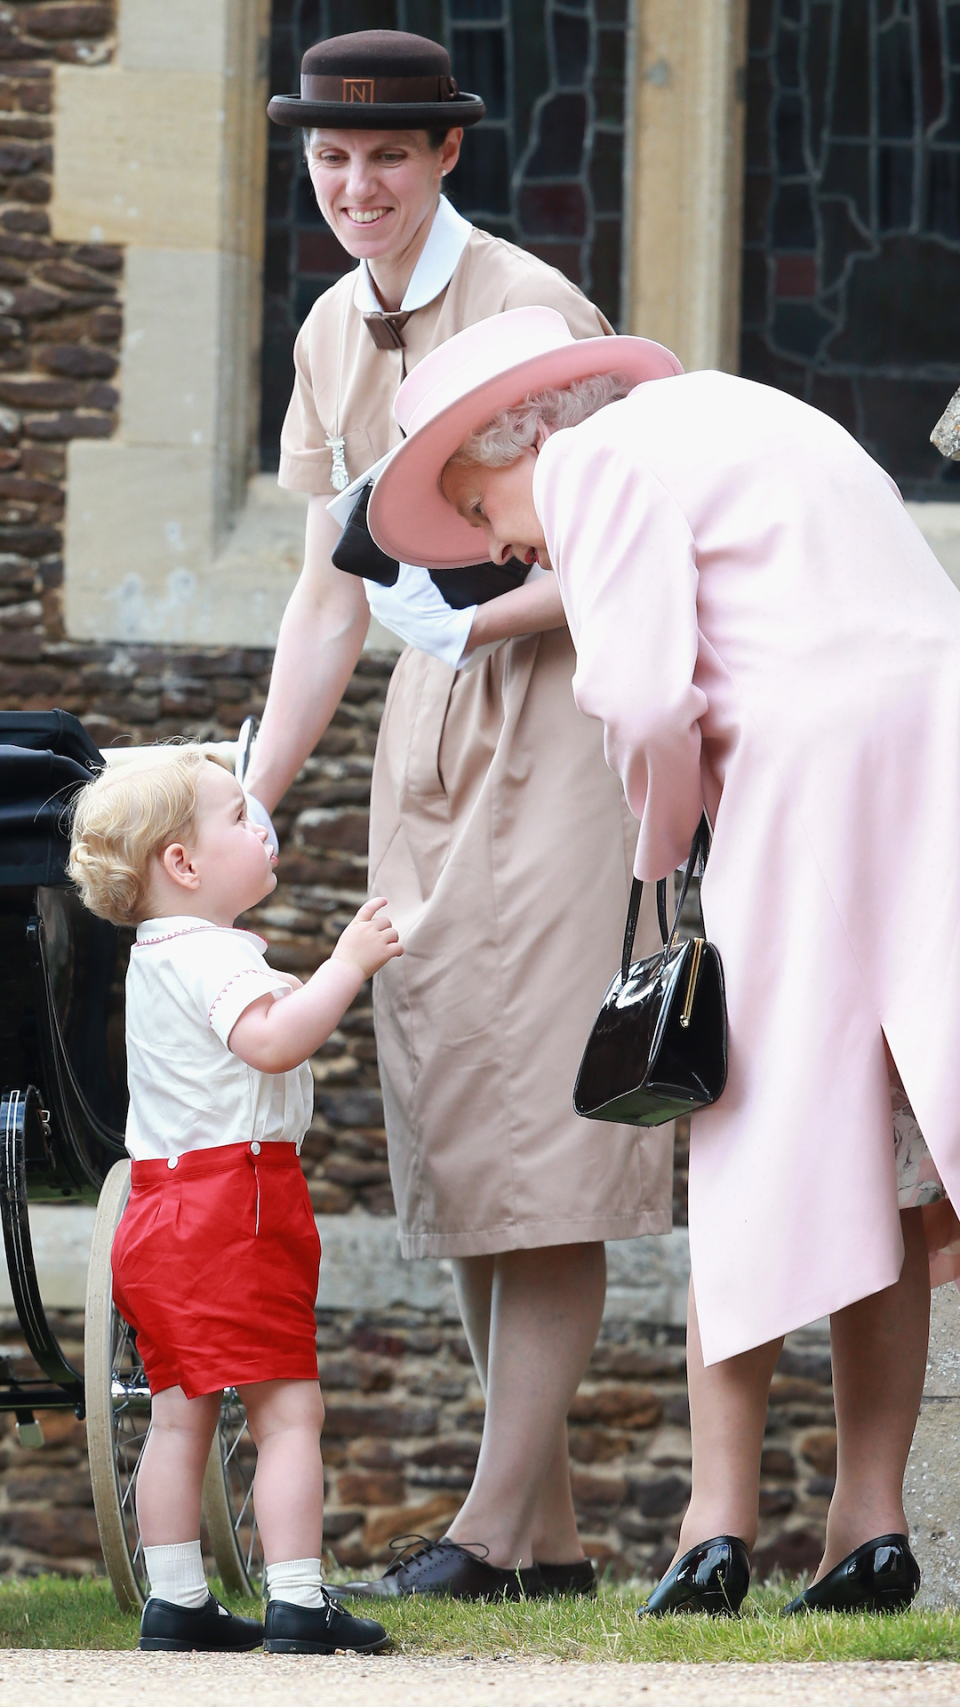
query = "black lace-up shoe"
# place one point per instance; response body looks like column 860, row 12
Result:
column 713, row 1577
column 210, row 1629
column 576, row 1578
column 880, row 1576
column 290, row 1629
column 444, row 1567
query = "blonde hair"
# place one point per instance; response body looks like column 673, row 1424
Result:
column 123, row 819
column 513, row 430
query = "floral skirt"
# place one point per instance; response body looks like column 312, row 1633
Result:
column 919, row 1186
column 918, row 1182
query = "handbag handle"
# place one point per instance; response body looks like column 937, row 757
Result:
column 696, row 863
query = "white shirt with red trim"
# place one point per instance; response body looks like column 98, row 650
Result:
column 187, row 985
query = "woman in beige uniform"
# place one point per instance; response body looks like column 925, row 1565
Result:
column 497, row 832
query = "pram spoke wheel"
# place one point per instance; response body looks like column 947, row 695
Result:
column 228, row 1501
column 118, row 1405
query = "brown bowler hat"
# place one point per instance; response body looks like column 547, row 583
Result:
column 376, row 80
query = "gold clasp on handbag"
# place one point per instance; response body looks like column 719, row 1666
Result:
column 698, row 946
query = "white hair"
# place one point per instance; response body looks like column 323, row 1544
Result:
column 511, row 431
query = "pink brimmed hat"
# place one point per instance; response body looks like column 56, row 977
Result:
column 455, row 390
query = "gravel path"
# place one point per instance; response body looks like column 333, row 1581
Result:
column 38, row 1678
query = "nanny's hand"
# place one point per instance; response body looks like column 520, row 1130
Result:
column 369, row 941
column 258, row 814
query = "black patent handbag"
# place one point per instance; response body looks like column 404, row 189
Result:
column 357, row 553
column 658, row 1047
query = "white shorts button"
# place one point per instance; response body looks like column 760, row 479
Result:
column 171, row 1161
column 255, row 1147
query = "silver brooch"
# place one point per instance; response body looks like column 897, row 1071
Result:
column 339, row 477
column 946, row 433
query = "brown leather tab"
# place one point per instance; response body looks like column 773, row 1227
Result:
column 386, row 330
column 374, row 91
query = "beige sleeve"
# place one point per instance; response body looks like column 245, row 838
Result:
column 306, row 460
column 544, row 287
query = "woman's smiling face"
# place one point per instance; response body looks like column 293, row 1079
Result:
column 500, row 502
column 376, row 187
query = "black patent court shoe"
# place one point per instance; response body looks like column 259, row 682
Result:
column 713, row 1577
column 880, row 1576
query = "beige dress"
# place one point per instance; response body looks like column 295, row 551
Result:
column 504, row 846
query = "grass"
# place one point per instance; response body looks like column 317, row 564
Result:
column 608, row 1629
column 56, row 1612
column 48, row 1612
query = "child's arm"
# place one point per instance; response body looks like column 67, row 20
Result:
column 275, row 1036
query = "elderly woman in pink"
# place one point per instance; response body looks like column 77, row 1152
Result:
column 765, row 636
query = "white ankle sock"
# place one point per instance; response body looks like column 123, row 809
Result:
column 176, row 1574
column 297, row 1581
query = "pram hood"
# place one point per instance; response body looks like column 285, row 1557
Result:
column 45, row 756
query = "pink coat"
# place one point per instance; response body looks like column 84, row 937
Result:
column 762, row 629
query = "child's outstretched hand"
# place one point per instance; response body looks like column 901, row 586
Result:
column 275, row 1037
column 369, row 941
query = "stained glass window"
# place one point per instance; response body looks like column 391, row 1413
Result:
column 544, row 169
column 851, row 292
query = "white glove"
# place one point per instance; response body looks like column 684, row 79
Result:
column 258, row 814
column 416, row 611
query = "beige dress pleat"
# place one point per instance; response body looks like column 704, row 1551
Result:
column 505, row 847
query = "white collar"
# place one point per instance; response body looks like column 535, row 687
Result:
column 161, row 930
column 439, row 257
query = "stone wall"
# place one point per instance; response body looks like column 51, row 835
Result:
column 404, row 1416
column 60, row 327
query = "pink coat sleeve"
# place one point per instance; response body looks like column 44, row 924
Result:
column 624, row 557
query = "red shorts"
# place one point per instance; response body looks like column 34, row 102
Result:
column 215, row 1265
